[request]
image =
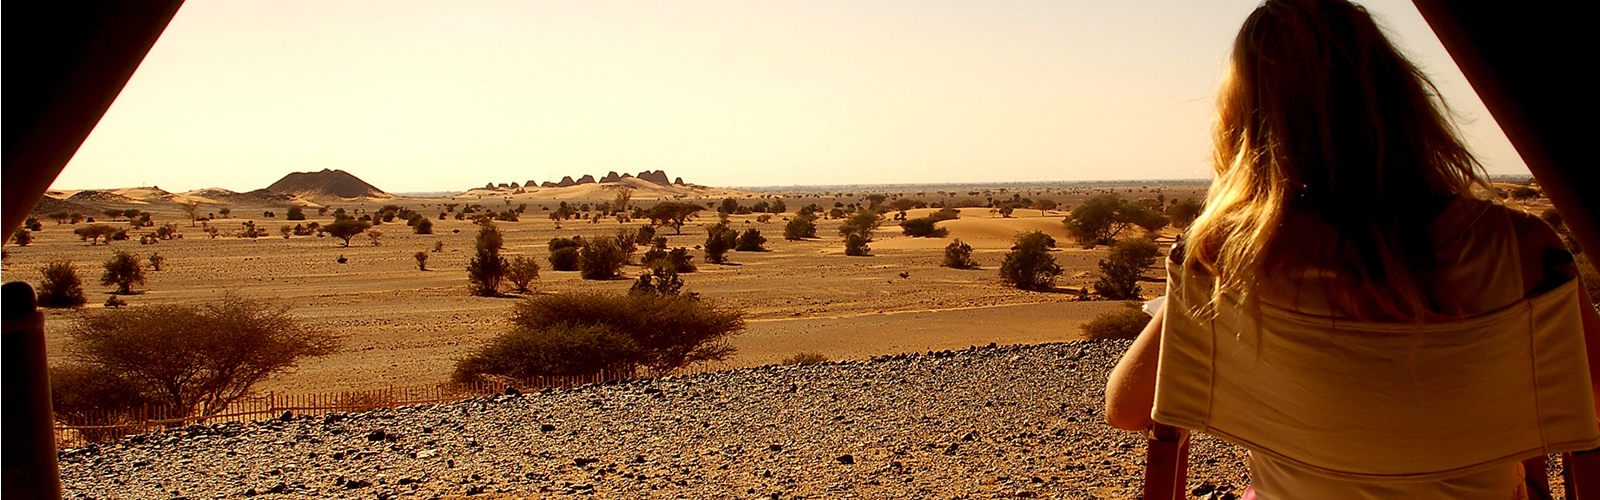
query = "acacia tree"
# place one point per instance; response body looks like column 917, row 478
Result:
column 191, row 208
column 1099, row 220
column 345, row 228
column 124, row 271
column 487, row 267
column 672, row 213
column 1029, row 265
column 197, row 359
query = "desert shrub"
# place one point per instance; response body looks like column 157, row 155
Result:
column 113, row 302
column 579, row 333
column 719, row 239
column 295, row 213
column 564, row 259
column 156, row 259
column 197, row 358
column 423, row 226
column 1184, row 212
column 958, row 255
column 375, row 235
column 677, row 260
column 124, row 271
column 286, row 230
column 1124, row 323
column 60, row 286
column 422, row 260
column 90, row 395
column 805, row 358
column 862, row 223
column 764, row 218
column 521, row 272
column 33, row 224
column 855, row 245
column 487, row 267
column 1524, row 193
column 922, row 227
column 751, row 241
column 800, row 227
column 600, row 258
column 23, row 237
column 1120, row 271
column 346, row 228
column 1029, row 265
column 659, row 281
column 644, row 235
column 167, row 231
column 945, row 214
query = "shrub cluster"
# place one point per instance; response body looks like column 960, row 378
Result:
column 803, row 225
column 719, row 239
column 923, row 227
column 857, row 231
column 1124, row 323
column 751, row 241
column 1099, row 220
column 520, row 272
column 582, row 333
column 1029, row 265
column 1120, row 271
column 564, row 253
column 958, row 255
column 601, row 258
column 124, row 271
column 60, row 286
column 805, row 358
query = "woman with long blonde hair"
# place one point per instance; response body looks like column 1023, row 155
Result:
column 1348, row 224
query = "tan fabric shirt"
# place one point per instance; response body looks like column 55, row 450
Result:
column 1335, row 408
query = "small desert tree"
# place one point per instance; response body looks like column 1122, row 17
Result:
column 1099, row 220
column 521, row 272
column 487, row 267
column 600, row 258
column 751, row 241
column 659, row 281
column 191, row 209
column 422, row 260
column 1120, row 271
column 295, row 213
column 958, row 255
column 719, row 239
column 1184, row 212
column 345, row 228
column 60, row 286
column 855, row 245
column 1029, row 265
column 23, row 237
column 1044, row 205
column 800, row 227
column 422, row 226
column 197, row 359
column 672, row 213
column 124, row 271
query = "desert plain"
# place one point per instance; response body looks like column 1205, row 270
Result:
column 402, row 326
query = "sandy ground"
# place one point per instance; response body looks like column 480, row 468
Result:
column 402, row 326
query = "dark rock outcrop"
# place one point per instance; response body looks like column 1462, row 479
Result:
column 326, row 183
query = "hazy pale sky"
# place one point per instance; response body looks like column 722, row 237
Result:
column 438, row 96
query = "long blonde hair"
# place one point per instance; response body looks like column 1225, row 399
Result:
column 1319, row 115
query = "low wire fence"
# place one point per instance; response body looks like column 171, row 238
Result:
column 79, row 429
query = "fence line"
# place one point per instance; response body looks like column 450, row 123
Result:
column 79, row 429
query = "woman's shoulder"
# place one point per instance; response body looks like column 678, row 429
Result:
column 1545, row 260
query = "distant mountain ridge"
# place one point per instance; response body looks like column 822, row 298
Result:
column 325, row 184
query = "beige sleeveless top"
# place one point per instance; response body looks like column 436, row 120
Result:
column 1336, row 408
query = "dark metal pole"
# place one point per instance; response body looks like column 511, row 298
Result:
column 27, row 429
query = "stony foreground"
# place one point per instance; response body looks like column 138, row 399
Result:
column 990, row 422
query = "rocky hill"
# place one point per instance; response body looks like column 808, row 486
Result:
column 978, row 423
column 325, row 184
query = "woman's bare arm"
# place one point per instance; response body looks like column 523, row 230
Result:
column 1131, row 388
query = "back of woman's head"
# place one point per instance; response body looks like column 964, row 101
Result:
column 1321, row 116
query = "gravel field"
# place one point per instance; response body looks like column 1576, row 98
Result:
column 988, row 422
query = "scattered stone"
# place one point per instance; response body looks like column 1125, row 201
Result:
column 846, row 459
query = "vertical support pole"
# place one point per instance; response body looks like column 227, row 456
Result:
column 27, row 430
column 1166, row 466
